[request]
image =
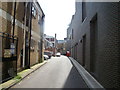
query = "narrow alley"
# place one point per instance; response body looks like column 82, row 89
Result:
column 59, row 44
column 57, row 73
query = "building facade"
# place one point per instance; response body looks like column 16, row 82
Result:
column 37, row 34
column 61, row 46
column 18, row 27
column 50, row 43
column 93, row 39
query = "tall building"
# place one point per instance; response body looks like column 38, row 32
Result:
column 21, row 35
column 93, row 39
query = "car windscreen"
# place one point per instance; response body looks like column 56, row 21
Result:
column 46, row 53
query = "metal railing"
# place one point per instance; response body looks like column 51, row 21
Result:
column 8, row 57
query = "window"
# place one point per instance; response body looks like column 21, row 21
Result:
column 32, row 45
column 39, row 19
column 52, row 39
column 72, row 33
column 83, row 10
column 84, row 50
column 24, row 3
column 47, row 39
column 53, row 44
column 27, row 22
column 33, row 11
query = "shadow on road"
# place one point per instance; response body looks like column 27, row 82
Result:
column 74, row 80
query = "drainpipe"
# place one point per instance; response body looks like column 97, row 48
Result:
column 30, row 28
column 42, row 37
column 24, row 33
column 14, row 20
column 13, row 32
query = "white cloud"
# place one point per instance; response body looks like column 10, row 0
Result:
column 58, row 14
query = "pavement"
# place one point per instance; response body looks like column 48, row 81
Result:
column 87, row 77
column 20, row 76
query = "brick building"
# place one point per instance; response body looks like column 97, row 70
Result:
column 37, row 34
column 61, row 46
column 48, row 45
column 21, row 35
column 93, row 39
column 52, row 43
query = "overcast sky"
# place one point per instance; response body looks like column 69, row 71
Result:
column 58, row 14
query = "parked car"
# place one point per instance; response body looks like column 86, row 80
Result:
column 48, row 53
column 45, row 57
column 58, row 54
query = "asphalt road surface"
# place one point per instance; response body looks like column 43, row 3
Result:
column 58, row 72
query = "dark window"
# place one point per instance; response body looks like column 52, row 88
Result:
column 51, row 39
column 47, row 39
column 53, row 44
column 24, row 3
column 84, row 49
column 27, row 22
column 83, row 10
column 76, row 52
column 72, row 33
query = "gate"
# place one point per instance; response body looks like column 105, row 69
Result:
column 8, row 57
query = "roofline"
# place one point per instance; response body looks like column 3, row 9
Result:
column 36, row 2
column 41, row 9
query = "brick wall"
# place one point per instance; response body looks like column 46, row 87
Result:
column 106, row 54
column 6, row 26
column 8, row 7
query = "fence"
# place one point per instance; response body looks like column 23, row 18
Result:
column 8, row 56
